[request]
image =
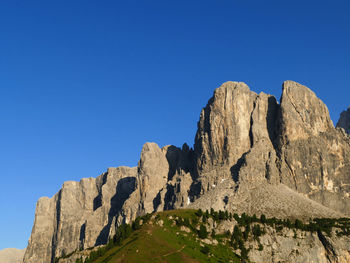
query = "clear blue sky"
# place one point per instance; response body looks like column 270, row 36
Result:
column 84, row 84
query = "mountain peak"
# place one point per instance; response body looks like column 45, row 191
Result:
column 303, row 113
column 251, row 155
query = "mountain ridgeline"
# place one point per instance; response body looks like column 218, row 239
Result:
column 251, row 155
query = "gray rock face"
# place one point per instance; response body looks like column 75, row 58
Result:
column 251, row 154
column 302, row 114
column 79, row 216
column 255, row 140
column 85, row 214
column 163, row 181
column 314, row 157
column 11, row 255
column 223, row 134
column 300, row 247
column 235, row 127
column 344, row 121
column 289, row 245
column 176, row 194
column 152, row 176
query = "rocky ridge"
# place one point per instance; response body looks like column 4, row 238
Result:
column 251, row 154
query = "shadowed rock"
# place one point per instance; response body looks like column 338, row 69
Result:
column 344, row 120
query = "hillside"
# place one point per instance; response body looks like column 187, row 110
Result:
column 218, row 236
column 161, row 237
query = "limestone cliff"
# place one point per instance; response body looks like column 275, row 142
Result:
column 237, row 126
column 79, row 216
column 314, row 157
column 251, row 154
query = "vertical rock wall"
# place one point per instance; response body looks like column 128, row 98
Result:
column 314, row 157
column 79, row 216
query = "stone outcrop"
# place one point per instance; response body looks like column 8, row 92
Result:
column 344, row 121
column 251, row 154
column 11, row 255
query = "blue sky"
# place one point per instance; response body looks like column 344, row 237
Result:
column 84, row 84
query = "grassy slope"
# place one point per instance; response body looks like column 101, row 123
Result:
column 153, row 243
column 160, row 239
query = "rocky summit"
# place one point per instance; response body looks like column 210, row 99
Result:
column 251, row 154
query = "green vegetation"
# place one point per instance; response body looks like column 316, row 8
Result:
column 144, row 242
column 178, row 236
column 202, row 233
column 205, row 250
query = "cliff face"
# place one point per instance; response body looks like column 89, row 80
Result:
column 300, row 246
column 80, row 215
column 251, row 154
column 236, row 127
column 314, row 156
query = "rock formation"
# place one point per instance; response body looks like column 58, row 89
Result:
column 11, row 255
column 152, row 176
column 344, row 121
column 314, row 157
column 288, row 246
column 251, row 154
column 80, row 215
column 237, row 126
